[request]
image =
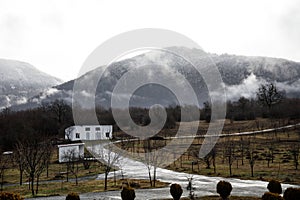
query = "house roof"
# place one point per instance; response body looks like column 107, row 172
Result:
column 92, row 125
column 69, row 145
column 7, row 152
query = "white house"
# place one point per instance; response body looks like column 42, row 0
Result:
column 89, row 132
column 70, row 152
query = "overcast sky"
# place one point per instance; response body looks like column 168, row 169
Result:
column 56, row 36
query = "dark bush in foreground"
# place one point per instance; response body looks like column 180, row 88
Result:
column 274, row 187
column 10, row 196
column 292, row 194
column 224, row 189
column 271, row 196
column 72, row 196
column 176, row 191
column 128, row 193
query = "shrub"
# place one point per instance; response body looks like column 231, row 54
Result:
column 292, row 194
column 271, row 196
column 134, row 185
column 274, row 187
column 224, row 189
column 127, row 193
column 176, row 191
column 72, row 196
column 10, row 196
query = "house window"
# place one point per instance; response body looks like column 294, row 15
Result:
column 97, row 128
column 77, row 135
column 107, row 134
column 87, row 129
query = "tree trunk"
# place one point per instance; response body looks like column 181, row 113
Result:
column 32, row 183
column 105, row 181
column 252, row 166
column 2, row 177
column 47, row 169
column 37, row 185
column 154, row 176
column 207, row 164
column 29, row 184
column 21, row 177
column 296, row 160
column 181, row 161
column 68, row 173
column 150, row 179
column 242, row 155
column 214, row 165
column 115, row 179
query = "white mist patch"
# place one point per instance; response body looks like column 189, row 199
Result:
column 86, row 94
column 21, row 101
column 289, row 88
column 6, row 101
column 247, row 88
column 123, row 96
column 49, row 92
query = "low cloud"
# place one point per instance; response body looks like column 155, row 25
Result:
column 247, row 88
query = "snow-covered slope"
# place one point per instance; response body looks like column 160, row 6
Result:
column 242, row 76
column 20, row 81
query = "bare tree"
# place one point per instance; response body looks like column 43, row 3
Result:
column 295, row 150
column 241, row 150
column 19, row 159
column 4, row 164
column 268, row 95
column 210, row 158
column 59, row 109
column 230, row 154
column 71, row 157
column 207, row 111
column 147, row 160
column 110, row 157
column 49, row 154
column 69, row 131
column 155, row 159
column 270, row 153
column 152, row 159
column 252, row 155
column 35, row 157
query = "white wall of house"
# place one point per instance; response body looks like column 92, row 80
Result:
column 65, row 149
column 89, row 132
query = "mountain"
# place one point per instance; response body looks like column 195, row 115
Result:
column 20, row 81
column 241, row 75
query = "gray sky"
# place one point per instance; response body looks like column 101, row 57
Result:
column 56, row 36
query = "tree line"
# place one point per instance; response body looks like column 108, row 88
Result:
column 52, row 118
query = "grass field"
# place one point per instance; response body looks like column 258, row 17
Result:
column 274, row 152
column 281, row 145
column 278, row 143
column 63, row 188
